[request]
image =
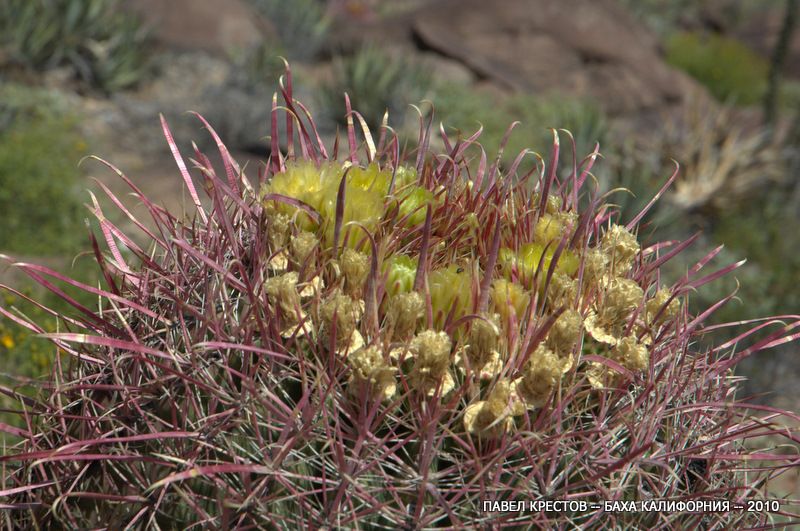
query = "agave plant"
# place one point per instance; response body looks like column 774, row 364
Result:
column 104, row 46
column 377, row 83
column 367, row 338
column 301, row 26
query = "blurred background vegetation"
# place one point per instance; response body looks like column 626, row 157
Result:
column 81, row 77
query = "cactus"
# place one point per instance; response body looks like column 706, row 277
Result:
column 360, row 339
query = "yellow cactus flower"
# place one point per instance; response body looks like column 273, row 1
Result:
column 562, row 290
column 431, row 353
column 307, row 182
column 402, row 271
column 355, row 266
column 595, row 267
column 509, row 298
column 346, row 313
column 529, row 257
column 302, row 246
column 631, row 354
column 565, row 332
column 451, row 291
column 622, row 296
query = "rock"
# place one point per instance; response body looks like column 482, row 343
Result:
column 216, row 26
column 238, row 109
column 585, row 48
column 447, row 70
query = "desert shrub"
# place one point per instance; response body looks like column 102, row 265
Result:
column 722, row 163
column 376, row 82
column 39, row 179
column 104, row 46
column 730, row 70
column 362, row 340
column 301, row 25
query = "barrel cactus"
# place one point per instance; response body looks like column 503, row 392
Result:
column 365, row 337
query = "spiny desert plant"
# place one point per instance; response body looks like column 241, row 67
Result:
column 364, row 338
column 377, row 82
column 301, row 25
column 731, row 71
column 104, row 46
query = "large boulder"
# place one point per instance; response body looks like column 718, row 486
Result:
column 216, row 26
column 584, row 48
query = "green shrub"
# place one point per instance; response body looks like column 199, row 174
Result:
column 376, row 82
column 730, row 70
column 39, row 182
column 104, row 46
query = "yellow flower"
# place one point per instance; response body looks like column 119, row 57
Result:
column 431, row 351
column 631, row 354
column 402, row 271
column 451, row 290
column 531, row 254
column 355, row 266
column 413, row 203
column 345, row 313
column 306, row 182
column 509, row 298
column 621, row 298
column 658, row 306
column 7, row 341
